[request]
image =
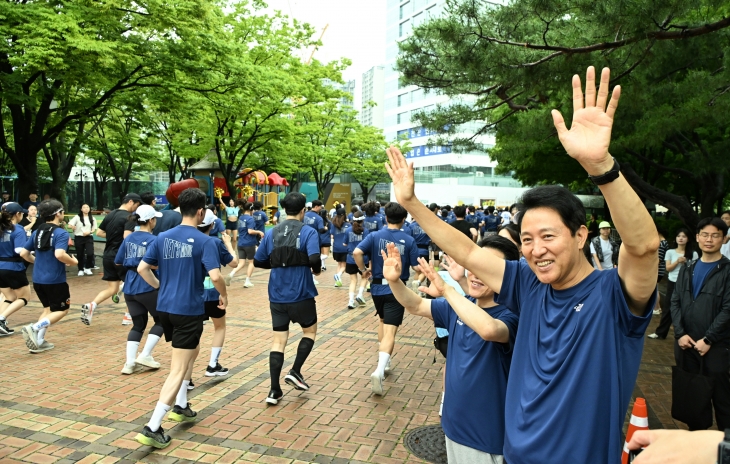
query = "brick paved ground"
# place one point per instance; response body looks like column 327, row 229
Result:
column 71, row 404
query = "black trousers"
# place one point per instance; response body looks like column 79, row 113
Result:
column 717, row 361
column 666, row 321
column 84, row 251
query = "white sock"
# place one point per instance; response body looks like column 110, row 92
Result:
column 121, row 287
column 352, row 296
column 41, row 335
column 361, row 291
column 42, row 323
column 2, row 318
column 131, row 352
column 382, row 362
column 150, row 344
column 159, row 413
column 248, row 279
column 324, row 258
column 182, row 394
column 214, row 353
column 233, row 272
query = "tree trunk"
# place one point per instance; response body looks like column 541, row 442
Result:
column 27, row 169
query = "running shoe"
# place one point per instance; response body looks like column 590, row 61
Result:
column 216, row 371
column 338, row 281
column 274, row 396
column 45, row 346
column 324, row 268
column 360, row 300
column 30, row 335
column 351, row 305
column 96, row 268
column 88, row 272
column 87, row 312
column 116, row 296
column 128, row 369
column 4, row 329
column 227, row 280
column 657, row 312
column 296, row 380
column 147, row 361
column 191, row 385
column 127, row 319
column 247, row 284
column 655, row 336
column 376, row 383
column 81, row 273
column 156, row 439
column 388, row 369
column 179, row 414
column 316, row 282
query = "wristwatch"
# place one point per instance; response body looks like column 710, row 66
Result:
column 723, row 450
column 363, row 270
column 609, row 176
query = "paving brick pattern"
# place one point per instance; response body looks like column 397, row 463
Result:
column 71, row 404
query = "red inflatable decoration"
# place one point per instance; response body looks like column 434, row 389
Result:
column 174, row 190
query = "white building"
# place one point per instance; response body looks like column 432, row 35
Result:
column 373, row 92
column 443, row 177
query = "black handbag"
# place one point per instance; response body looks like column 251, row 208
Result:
column 692, row 396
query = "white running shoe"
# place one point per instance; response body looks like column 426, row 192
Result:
column 227, row 280
column 88, row 272
column 316, row 282
column 87, row 312
column 388, row 369
column 360, row 300
column 30, row 335
column 81, row 273
column 127, row 319
column 376, row 383
column 247, row 284
column 147, row 361
column 128, row 369
column 45, row 346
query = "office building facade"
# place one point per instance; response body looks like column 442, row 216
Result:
column 373, row 97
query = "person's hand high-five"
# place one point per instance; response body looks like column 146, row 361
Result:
column 401, row 173
column 438, row 286
column 392, row 266
column 589, row 136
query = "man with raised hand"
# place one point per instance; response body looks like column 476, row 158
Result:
column 579, row 346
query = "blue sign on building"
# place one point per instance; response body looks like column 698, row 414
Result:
column 425, row 150
column 160, row 199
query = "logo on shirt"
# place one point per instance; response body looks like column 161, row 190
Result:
column 191, row 240
column 134, row 251
column 578, row 307
column 173, row 249
column 459, row 321
column 383, row 244
column 402, row 241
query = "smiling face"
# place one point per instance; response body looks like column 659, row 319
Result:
column 554, row 255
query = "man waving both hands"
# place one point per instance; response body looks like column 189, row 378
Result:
column 579, row 346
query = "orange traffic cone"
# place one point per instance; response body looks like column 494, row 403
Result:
column 639, row 421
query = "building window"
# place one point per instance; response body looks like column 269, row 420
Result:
column 405, row 10
column 404, row 117
column 404, row 28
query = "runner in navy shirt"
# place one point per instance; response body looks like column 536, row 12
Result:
column 340, row 227
column 579, row 346
column 50, row 243
column 248, row 238
column 423, row 243
column 481, row 338
column 373, row 220
column 387, row 307
column 351, row 240
column 183, row 256
column 13, row 280
column 291, row 251
column 140, row 297
column 260, row 217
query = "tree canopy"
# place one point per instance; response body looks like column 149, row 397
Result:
column 509, row 65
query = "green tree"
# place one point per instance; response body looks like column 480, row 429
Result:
column 368, row 170
column 507, row 64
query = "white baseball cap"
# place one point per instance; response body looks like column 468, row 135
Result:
column 147, row 212
column 208, row 219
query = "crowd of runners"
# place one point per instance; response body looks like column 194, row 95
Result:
column 477, row 272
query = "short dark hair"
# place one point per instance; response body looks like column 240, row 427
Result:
column 370, row 209
column 293, row 203
column 727, row 211
column 191, row 200
column 460, row 211
column 316, row 203
column 47, row 209
column 147, row 197
column 559, row 199
column 257, row 205
column 395, row 213
column 433, row 207
column 490, row 209
column 212, row 207
column 712, row 221
column 508, row 249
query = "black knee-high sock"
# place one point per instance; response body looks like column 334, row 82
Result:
column 276, row 361
column 303, row 350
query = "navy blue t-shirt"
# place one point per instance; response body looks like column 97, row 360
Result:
column 700, row 274
column 48, row 269
column 183, row 255
column 373, row 223
column 210, row 293
column 352, row 240
column 576, row 356
column 338, row 237
column 129, row 255
column 261, row 219
column 290, row 284
column 313, row 220
column 421, row 238
column 246, row 222
column 325, row 238
column 476, row 379
column 218, row 228
column 10, row 240
column 377, row 241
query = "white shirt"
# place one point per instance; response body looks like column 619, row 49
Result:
column 725, row 249
column 607, row 262
column 79, row 229
column 506, row 217
column 671, row 257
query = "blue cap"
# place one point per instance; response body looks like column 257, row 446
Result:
column 14, row 208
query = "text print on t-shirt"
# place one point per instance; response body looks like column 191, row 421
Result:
column 174, row 249
column 135, row 251
column 383, row 244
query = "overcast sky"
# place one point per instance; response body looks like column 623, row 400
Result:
column 356, row 31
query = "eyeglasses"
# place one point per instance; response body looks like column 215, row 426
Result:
column 705, row 236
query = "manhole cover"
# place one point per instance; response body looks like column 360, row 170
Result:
column 427, row 443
